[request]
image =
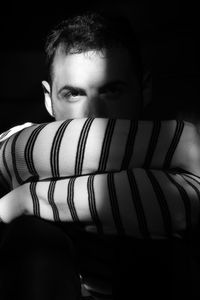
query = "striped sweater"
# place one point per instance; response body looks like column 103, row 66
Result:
column 110, row 176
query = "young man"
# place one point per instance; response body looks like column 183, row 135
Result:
column 95, row 74
column 95, row 70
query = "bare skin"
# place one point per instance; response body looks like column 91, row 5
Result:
column 93, row 84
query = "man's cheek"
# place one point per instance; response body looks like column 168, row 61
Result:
column 76, row 110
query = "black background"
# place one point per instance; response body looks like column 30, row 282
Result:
column 169, row 38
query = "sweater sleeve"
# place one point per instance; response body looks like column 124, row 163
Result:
column 139, row 203
column 85, row 146
column 5, row 175
column 136, row 178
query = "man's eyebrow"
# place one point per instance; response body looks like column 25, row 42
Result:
column 112, row 84
column 71, row 89
column 81, row 91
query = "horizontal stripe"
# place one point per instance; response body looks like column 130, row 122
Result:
column 106, row 145
column 92, row 204
column 114, row 204
column 13, row 152
column 138, row 206
column 50, row 197
column 173, row 145
column 130, row 144
column 54, row 156
column 36, row 204
column 162, row 202
column 81, row 146
column 5, row 161
column 152, row 144
column 28, row 151
column 70, row 200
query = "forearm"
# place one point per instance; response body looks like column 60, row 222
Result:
column 85, row 146
column 138, row 203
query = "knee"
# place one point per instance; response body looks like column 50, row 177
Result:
column 38, row 254
column 30, row 238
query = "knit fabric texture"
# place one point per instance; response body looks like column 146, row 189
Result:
column 110, row 176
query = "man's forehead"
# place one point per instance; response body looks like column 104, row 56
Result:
column 87, row 72
column 112, row 58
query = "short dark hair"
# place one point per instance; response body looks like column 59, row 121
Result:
column 92, row 31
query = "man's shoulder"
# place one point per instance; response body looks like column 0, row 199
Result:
column 6, row 134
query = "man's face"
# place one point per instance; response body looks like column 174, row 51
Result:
column 95, row 84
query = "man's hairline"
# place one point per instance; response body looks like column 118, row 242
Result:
column 74, row 51
column 69, row 52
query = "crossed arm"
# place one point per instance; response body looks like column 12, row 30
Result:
column 112, row 176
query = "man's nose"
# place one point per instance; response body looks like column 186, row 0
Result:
column 96, row 107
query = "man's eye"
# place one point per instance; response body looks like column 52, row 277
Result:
column 111, row 93
column 71, row 96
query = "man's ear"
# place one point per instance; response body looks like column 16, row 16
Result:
column 47, row 97
column 147, row 88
